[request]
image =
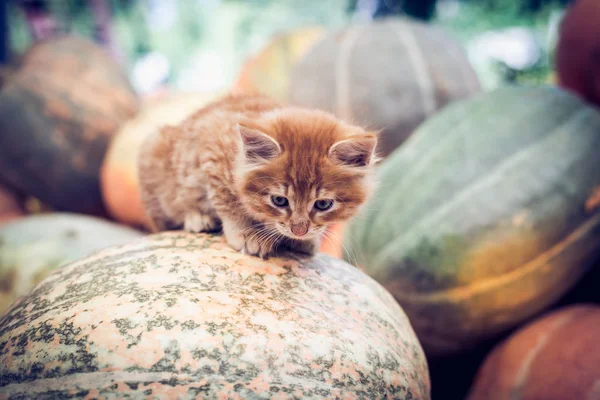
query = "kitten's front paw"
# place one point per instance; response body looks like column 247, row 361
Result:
column 235, row 241
column 257, row 248
column 196, row 222
column 233, row 235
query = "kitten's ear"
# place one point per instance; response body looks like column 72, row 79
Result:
column 356, row 151
column 257, row 146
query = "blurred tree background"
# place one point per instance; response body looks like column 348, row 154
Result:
column 202, row 44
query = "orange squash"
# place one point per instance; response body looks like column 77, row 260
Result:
column 10, row 207
column 118, row 175
column 268, row 71
column 332, row 242
column 553, row 358
column 578, row 50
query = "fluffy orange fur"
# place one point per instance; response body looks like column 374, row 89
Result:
column 270, row 176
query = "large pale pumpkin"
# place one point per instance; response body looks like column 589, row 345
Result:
column 180, row 315
column 269, row 71
column 487, row 215
column 32, row 247
column 119, row 173
column 57, row 115
column 390, row 75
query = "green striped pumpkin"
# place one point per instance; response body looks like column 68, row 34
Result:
column 33, row 246
column 389, row 74
column 486, row 216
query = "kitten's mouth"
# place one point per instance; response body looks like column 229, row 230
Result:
column 285, row 231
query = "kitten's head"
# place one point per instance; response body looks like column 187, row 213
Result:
column 301, row 170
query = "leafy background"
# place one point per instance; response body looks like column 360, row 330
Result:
column 204, row 43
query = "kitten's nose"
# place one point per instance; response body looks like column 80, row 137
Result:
column 300, row 228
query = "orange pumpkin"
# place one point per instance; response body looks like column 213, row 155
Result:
column 578, row 50
column 268, row 71
column 10, row 208
column 554, row 358
column 119, row 176
column 332, row 241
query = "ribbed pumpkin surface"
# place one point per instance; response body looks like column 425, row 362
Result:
column 177, row 315
column 389, row 75
column 57, row 114
column 486, row 215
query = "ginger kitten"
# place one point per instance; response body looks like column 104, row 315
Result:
column 270, row 176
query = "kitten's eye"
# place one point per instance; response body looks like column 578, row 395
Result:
column 323, row 204
column 279, row 201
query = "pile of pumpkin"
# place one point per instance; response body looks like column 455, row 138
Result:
column 474, row 253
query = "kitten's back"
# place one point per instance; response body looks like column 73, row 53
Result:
column 173, row 153
column 249, row 104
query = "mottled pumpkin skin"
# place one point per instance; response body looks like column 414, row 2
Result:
column 553, row 358
column 177, row 314
column 57, row 114
column 486, row 216
column 34, row 246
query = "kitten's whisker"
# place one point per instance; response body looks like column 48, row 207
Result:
column 253, row 227
column 272, row 239
column 278, row 241
column 257, row 234
column 349, row 252
column 263, row 234
column 328, row 239
column 339, row 199
column 272, row 236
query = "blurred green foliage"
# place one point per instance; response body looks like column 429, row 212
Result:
column 518, row 7
column 540, row 17
column 418, row 9
column 236, row 29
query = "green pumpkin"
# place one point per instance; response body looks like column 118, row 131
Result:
column 34, row 246
column 486, row 216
